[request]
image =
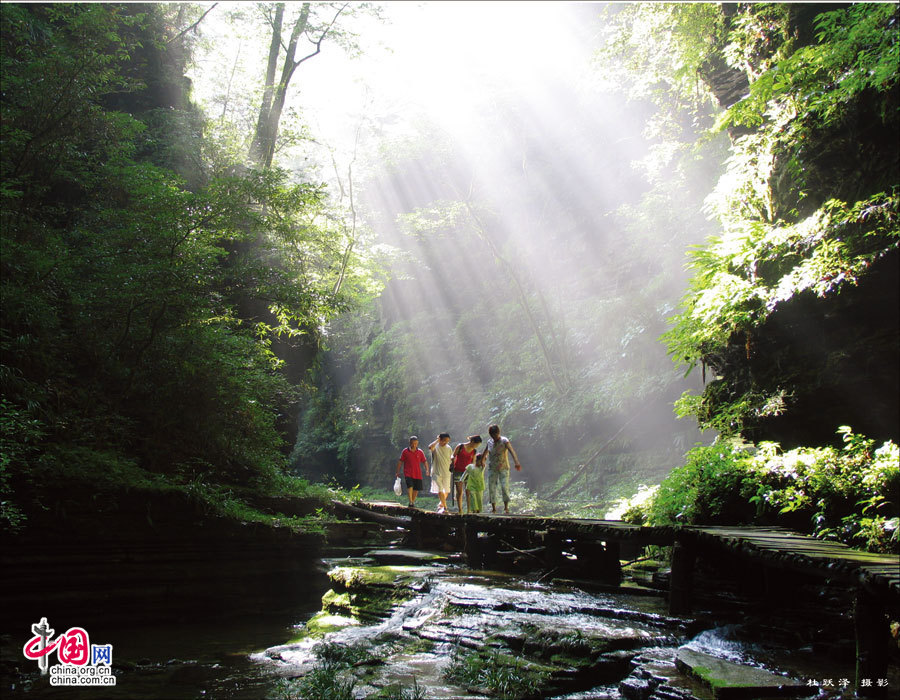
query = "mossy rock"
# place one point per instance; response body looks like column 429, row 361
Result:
column 370, row 592
column 454, row 610
column 368, row 605
column 352, row 578
column 493, row 673
column 729, row 680
column 564, row 660
column 565, row 641
column 335, row 602
column 646, row 565
column 417, row 645
column 513, row 661
column 406, row 556
column 323, row 623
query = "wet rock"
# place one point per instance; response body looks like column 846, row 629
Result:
column 634, row 688
column 569, row 640
column 642, row 684
column 731, row 680
column 369, row 593
column 656, row 666
column 665, row 692
column 352, row 578
column 406, row 556
column 606, row 669
column 323, row 623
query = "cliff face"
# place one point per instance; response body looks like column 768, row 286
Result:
column 809, row 338
column 833, row 360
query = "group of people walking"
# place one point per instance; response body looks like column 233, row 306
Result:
column 461, row 469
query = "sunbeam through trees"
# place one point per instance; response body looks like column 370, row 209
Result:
column 251, row 250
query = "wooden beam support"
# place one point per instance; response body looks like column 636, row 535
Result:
column 553, row 549
column 366, row 514
column 416, row 531
column 612, row 565
column 474, row 556
column 681, row 581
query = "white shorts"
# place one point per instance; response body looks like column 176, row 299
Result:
column 442, row 477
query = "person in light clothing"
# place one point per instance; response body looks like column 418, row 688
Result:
column 498, row 450
column 441, row 453
column 475, row 484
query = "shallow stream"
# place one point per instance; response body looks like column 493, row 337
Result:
column 425, row 617
column 564, row 641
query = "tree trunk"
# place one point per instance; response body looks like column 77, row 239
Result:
column 262, row 135
column 262, row 150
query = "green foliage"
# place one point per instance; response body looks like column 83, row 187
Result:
column 857, row 49
column 848, row 494
column 124, row 262
column 322, row 683
column 741, row 277
column 341, row 655
column 807, row 203
column 707, row 489
column 504, row 677
column 330, row 679
column 20, row 435
column 335, row 422
column 396, row 691
column 667, row 68
column 636, row 509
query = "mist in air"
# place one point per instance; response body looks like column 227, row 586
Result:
column 504, row 188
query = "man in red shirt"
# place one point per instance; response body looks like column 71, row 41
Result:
column 410, row 460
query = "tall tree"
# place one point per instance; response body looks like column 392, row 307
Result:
column 313, row 24
column 121, row 360
column 302, row 259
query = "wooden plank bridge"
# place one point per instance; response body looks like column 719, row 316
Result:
column 594, row 549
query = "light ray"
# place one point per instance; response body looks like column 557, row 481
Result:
column 491, row 104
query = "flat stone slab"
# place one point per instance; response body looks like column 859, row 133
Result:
column 405, row 556
column 729, row 680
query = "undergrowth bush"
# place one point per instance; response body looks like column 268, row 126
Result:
column 504, row 679
column 706, row 490
column 848, row 494
column 321, row 683
column 332, row 677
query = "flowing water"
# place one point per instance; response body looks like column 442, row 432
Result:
column 445, row 613
column 458, row 610
column 592, row 643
